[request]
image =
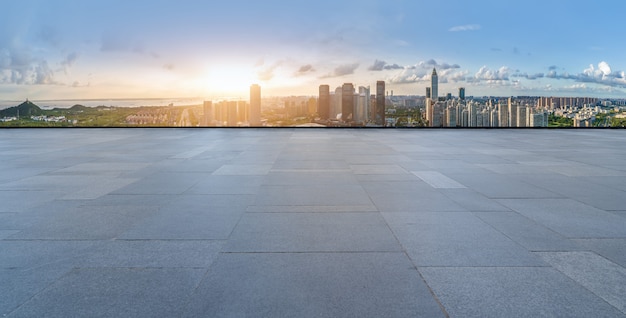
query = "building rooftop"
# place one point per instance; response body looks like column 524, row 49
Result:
column 312, row 223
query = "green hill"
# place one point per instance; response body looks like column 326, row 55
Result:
column 26, row 109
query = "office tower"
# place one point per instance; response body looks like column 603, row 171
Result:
column 362, row 107
column 336, row 109
column 312, row 106
column 380, row 103
column 208, row 113
column 434, row 86
column 232, row 114
column 504, row 115
column 323, row 103
column 462, row 93
column 429, row 112
column 449, row 96
column 255, row 105
column 512, row 112
column 451, row 116
column 428, row 93
column 521, row 116
column 347, row 102
column 243, row 111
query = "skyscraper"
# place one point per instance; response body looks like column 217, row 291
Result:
column 208, row 113
column 462, row 93
column 380, row 103
column 428, row 92
column 434, row 86
column 255, row 105
column 323, row 104
column 347, row 102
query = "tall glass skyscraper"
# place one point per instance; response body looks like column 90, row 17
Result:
column 380, row 103
column 323, row 102
column 255, row 105
column 434, row 86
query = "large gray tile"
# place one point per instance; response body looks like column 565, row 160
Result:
column 426, row 201
column 513, row 292
column 312, row 195
column 527, row 233
column 150, row 253
column 86, row 223
column 312, row 232
column 599, row 275
column 20, row 285
column 612, row 249
column 473, row 201
column 570, row 218
column 313, row 285
column 456, row 239
column 192, row 217
column 115, row 292
column 163, row 183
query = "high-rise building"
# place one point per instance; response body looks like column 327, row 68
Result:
column 503, row 110
column 512, row 112
column 380, row 103
column 255, row 105
column 208, row 113
column 232, row 114
column 347, row 102
column 336, row 103
column 428, row 92
column 462, row 93
column 521, row 116
column 323, row 103
column 434, row 86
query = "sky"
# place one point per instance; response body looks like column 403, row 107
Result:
column 91, row 49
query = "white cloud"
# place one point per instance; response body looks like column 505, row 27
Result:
column 467, row 27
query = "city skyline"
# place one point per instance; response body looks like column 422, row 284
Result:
column 114, row 49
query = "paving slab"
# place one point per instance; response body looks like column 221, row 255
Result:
column 312, row 232
column 456, row 239
column 115, row 292
column 313, row 285
column 599, row 275
column 513, row 292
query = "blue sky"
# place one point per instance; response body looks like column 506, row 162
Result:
column 67, row 49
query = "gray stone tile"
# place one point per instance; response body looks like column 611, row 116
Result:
column 527, row 233
column 307, row 177
column 6, row 233
column 33, row 254
column 500, row 186
column 192, row 217
column 86, row 223
column 570, row 218
column 612, row 249
column 19, row 201
column 599, row 196
column 513, row 292
column 150, row 253
column 312, row 195
column 94, row 191
column 456, row 239
column 115, row 292
column 163, row 183
column 427, row 201
column 308, row 164
column 19, row 285
column 599, row 275
column 243, row 170
column 222, row 184
column 378, row 169
column 312, row 232
column 310, row 208
column 313, row 285
column 437, row 180
column 473, row 201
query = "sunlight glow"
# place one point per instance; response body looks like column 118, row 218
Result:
column 228, row 80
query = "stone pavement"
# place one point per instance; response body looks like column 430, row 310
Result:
column 312, row 223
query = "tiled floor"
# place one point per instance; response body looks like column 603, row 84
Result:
column 312, row 223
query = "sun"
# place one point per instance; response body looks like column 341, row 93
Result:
column 228, row 80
